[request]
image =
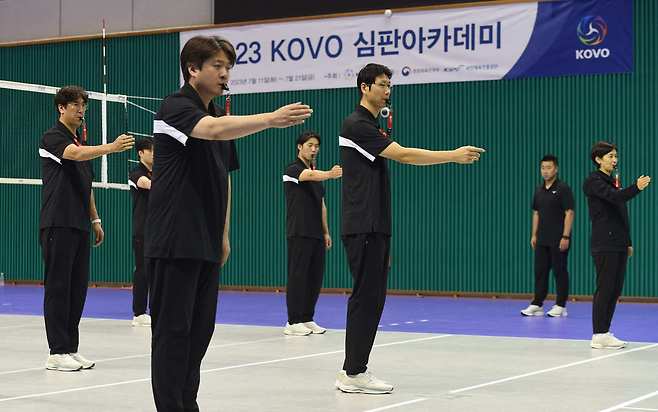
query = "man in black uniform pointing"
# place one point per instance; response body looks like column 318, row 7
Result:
column 186, row 222
column 366, row 219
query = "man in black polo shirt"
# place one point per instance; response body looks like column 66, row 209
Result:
column 67, row 206
column 552, row 220
column 140, row 186
column 366, row 219
column 186, row 222
column 611, row 244
column 226, row 150
column 308, row 234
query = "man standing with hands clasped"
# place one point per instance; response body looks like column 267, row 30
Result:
column 552, row 220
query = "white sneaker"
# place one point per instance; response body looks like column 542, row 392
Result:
column 63, row 363
column 86, row 363
column 141, row 320
column 364, row 382
column 297, row 329
column 533, row 310
column 557, row 311
column 606, row 341
column 614, row 339
column 318, row 330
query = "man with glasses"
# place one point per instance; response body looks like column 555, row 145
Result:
column 68, row 210
column 366, row 219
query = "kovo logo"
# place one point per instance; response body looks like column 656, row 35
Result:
column 592, row 31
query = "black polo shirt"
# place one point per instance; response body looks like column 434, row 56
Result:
column 140, row 198
column 366, row 200
column 188, row 199
column 227, row 152
column 552, row 203
column 225, row 149
column 303, row 203
column 66, row 189
column 611, row 230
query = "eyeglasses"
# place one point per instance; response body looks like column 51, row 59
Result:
column 384, row 85
column 78, row 105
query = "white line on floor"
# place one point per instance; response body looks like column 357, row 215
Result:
column 40, row 323
column 395, row 405
column 632, row 401
column 638, row 409
column 568, row 365
column 244, row 365
column 146, row 355
column 314, row 355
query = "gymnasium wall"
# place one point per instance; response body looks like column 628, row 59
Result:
column 456, row 228
column 39, row 19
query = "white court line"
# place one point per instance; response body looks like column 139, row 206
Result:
column 555, row 368
column 632, row 401
column 244, row 365
column 638, row 409
column 145, row 355
column 20, row 326
column 314, row 355
column 395, row 405
column 40, row 324
column 540, row 338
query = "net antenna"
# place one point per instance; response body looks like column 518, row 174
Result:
column 104, row 178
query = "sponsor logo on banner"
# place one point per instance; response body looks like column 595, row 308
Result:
column 592, row 31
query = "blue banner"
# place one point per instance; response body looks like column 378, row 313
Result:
column 579, row 37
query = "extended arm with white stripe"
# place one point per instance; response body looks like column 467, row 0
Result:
column 423, row 157
column 144, row 183
column 234, row 127
column 84, row 153
column 320, row 175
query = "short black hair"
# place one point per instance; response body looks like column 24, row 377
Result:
column 144, row 144
column 549, row 158
column 306, row 136
column 369, row 73
column 198, row 49
column 601, row 149
column 70, row 94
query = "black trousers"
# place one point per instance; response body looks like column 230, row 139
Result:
column 610, row 273
column 65, row 254
column 183, row 307
column 547, row 258
column 368, row 258
column 305, row 273
column 141, row 283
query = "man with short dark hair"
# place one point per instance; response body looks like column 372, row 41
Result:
column 611, row 244
column 139, row 181
column 67, row 207
column 366, row 219
column 308, row 234
column 186, row 239
column 552, row 220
